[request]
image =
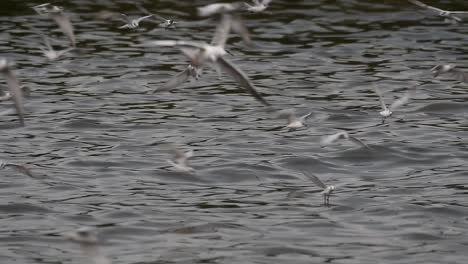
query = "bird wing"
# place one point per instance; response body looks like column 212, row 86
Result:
column 125, row 18
column 212, row 9
column 331, row 138
column 176, row 43
column 314, row 179
column 138, row 20
column 304, row 117
column 175, row 81
column 17, row 93
column 358, row 141
column 423, row 5
column 402, row 100
column 382, row 103
column 222, row 31
column 65, row 25
column 240, row 77
column 238, row 26
column 460, row 75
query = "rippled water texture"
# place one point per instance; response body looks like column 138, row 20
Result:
column 96, row 138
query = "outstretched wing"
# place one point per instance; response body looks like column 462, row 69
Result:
column 175, row 81
column 314, row 179
column 460, row 75
column 304, row 117
column 138, row 20
column 176, row 43
column 238, row 26
column 240, row 77
column 382, row 103
column 65, row 25
column 332, row 138
column 402, row 100
column 222, row 31
column 358, row 141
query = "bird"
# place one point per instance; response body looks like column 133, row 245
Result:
column 20, row 168
column 133, row 23
column 388, row 111
column 293, row 120
column 180, row 162
column 13, row 87
column 52, row 54
column 62, row 20
column 450, row 69
column 190, row 71
column 258, row 6
column 89, row 242
column 342, row 135
column 443, row 13
column 327, row 190
column 201, row 53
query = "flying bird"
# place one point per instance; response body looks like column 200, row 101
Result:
column 13, row 87
column 180, row 162
column 388, row 111
column 201, row 53
column 327, row 190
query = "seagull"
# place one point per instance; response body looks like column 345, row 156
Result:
column 452, row 70
column 386, row 112
column 180, row 162
column 190, row 71
column 201, row 53
column 443, row 13
column 166, row 23
column 293, row 120
column 326, row 140
column 13, row 87
column 258, row 6
column 326, row 189
column 133, row 23
column 88, row 240
column 20, row 168
column 62, row 20
column 52, row 54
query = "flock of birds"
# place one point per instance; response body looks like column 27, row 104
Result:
column 200, row 54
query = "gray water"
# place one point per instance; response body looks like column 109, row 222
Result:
column 96, row 138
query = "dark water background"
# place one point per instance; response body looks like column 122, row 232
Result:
column 95, row 137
